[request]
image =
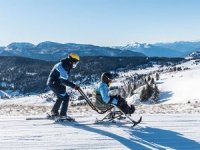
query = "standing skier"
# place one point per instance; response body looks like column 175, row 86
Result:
column 102, row 93
column 58, row 80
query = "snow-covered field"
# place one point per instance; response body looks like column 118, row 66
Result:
column 181, row 86
column 156, row 132
column 173, row 123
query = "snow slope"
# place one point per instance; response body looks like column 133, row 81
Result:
column 181, row 86
column 156, row 132
column 176, row 87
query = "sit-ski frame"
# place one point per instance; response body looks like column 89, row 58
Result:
column 112, row 115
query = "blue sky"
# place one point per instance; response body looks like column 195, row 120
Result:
column 99, row 22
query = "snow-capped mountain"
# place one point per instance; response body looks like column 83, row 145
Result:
column 175, row 49
column 185, row 47
column 18, row 46
column 134, row 46
column 195, row 54
column 151, row 50
column 1, row 49
column 55, row 51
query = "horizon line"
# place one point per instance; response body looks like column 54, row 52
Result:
column 159, row 42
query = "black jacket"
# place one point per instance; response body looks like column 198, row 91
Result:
column 60, row 73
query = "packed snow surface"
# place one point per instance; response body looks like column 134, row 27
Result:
column 181, row 86
column 180, row 132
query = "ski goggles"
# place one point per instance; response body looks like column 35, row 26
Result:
column 75, row 64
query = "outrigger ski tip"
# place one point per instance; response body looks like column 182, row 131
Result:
column 137, row 122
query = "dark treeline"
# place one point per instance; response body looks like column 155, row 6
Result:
column 29, row 75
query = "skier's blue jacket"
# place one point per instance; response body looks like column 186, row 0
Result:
column 103, row 89
column 60, row 73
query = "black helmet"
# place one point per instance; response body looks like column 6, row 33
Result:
column 106, row 77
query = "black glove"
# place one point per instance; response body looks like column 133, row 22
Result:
column 119, row 97
column 76, row 87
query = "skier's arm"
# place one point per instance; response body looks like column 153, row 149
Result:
column 67, row 83
column 64, row 77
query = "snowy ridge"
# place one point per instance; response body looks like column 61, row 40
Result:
column 53, row 51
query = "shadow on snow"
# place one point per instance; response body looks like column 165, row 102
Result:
column 165, row 96
column 146, row 138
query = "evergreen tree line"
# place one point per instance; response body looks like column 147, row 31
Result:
column 150, row 90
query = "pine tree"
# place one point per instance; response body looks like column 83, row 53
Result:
column 132, row 89
column 143, row 95
column 134, row 86
column 149, row 78
column 156, row 94
column 149, row 90
column 152, row 81
column 157, row 76
column 123, row 92
column 129, row 89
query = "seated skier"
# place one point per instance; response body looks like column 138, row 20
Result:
column 102, row 93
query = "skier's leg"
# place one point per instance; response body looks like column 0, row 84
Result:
column 122, row 104
column 132, row 109
column 59, row 90
column 56, row 107
column 64, row 107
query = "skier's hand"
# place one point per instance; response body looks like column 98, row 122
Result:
column 119, row 97
column 77, row 87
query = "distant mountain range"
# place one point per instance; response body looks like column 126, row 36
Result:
column 151, row 50
column 184, row 47
column 53, row 51
column 176, row 49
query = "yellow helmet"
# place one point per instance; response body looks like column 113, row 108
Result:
column 74, row 57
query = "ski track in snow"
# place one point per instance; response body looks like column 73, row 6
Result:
column 177, row 131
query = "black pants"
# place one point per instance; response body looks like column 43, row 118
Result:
column 62, row 98
column 122, row 104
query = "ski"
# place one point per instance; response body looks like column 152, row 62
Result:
column 38, row 118
column 111, row 121
column 56, row 119
column 48, row 117
column 103, row 121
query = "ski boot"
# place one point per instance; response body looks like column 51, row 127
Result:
column 66, row 118
column 53, row 115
